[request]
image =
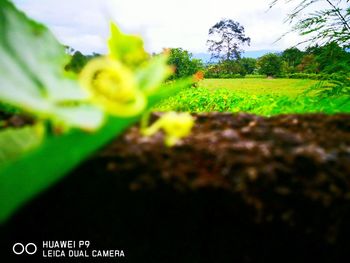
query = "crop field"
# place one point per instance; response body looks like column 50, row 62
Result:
column 287, row 87
column 258, row 96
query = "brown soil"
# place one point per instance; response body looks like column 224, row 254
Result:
column 14, row 120
column 240, row 188
column 292, row 154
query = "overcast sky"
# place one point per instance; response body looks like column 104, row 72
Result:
column 84, row 24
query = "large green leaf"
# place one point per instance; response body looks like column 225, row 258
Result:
column 57, row 155
column 32, row 73
column 16, row 141
column 152, row 74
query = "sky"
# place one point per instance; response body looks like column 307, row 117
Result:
column 84, row 24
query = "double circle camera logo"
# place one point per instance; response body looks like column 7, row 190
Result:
column 20, row 248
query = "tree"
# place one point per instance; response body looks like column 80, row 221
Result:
column 330, row 24
column 232, row 67
column 331, row 58
column 270, row 65
column 78, row 60
column 309, row 64
column 225, row 40
column 183, row 62
column 248, row 65
column 293, row 57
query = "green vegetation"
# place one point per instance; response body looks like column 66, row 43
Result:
column 183, row 63
column 78, row 60
column 319, row 60
column 288, row 87
column 316, row 79
column 73, row 117
column 270, row 65
column 259, row 96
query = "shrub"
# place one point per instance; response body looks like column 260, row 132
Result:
column 183, row 62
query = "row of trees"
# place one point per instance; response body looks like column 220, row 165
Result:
column 327, row 59
column 78, row 60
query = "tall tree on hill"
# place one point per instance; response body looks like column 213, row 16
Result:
column 225, row 40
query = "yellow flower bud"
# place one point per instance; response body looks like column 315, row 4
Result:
column 175, row 125
column 113, row 87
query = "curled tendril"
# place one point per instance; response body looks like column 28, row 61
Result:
column 112, row 86
column 175, row 125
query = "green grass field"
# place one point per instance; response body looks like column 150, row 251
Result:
column 258, row 96
column 287, row 87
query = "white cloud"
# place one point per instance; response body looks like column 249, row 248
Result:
column 84, row 24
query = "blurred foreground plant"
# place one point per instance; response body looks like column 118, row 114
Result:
column 114, row 91
column 175, row 125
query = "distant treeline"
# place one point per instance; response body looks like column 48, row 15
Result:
column 317, row 62
column 78, row 60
